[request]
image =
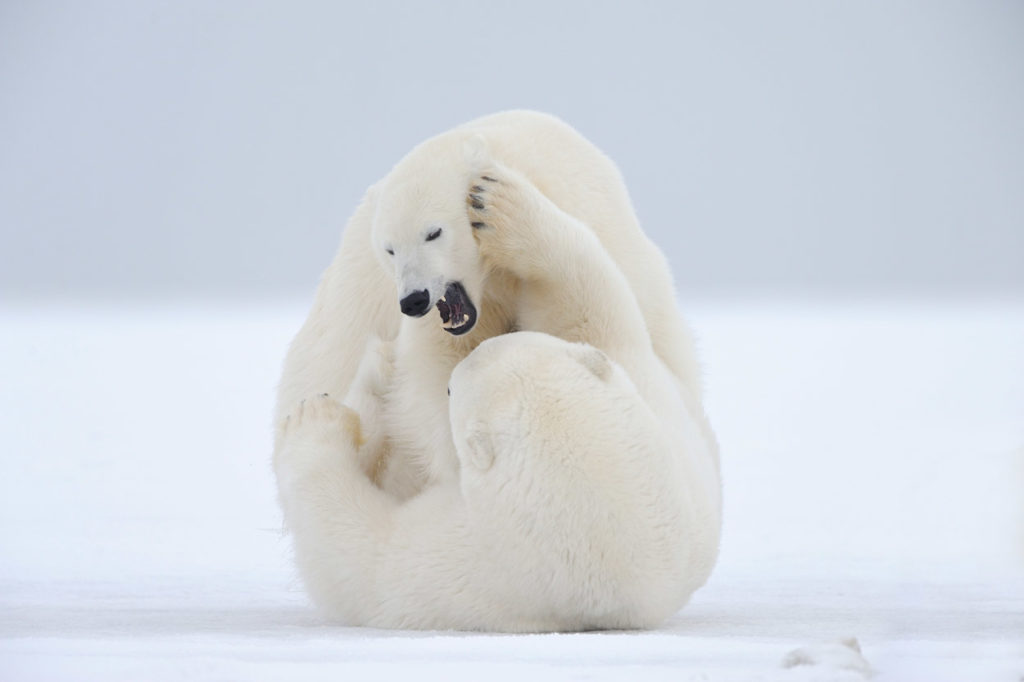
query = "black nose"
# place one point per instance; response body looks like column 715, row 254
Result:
column 416, row 303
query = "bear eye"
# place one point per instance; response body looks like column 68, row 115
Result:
column 449, row 390
column 434, row 235
column 391, row 252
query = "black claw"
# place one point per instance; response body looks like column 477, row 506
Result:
column 478, row 225
column 487, row 178
column 477, row 188
column 323, row 395
column 475, row 201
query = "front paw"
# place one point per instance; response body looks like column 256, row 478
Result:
column 322, row 421
column 483, row 192
column 503, row 207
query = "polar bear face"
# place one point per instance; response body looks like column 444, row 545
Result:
column 422, row 234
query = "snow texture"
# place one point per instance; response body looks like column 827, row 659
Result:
column 873, row 465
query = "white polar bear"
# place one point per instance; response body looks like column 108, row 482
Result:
column 575, row 509
column 547, row 243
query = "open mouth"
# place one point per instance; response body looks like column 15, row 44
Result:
column 458, row 314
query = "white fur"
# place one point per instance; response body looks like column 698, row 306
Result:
column 516, row 513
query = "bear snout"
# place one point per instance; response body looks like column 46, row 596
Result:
column 416, row 304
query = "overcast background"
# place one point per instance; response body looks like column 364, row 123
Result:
column 217, row 148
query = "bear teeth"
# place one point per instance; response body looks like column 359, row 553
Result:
column 452, row 324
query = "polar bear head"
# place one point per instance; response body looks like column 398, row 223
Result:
column 422, row 233
column 532, row 387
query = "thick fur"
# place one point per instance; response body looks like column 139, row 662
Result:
column 539, row 503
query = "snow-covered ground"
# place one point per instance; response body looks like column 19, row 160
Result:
column 873, row 458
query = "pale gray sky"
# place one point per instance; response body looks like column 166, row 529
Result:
column 219, row 147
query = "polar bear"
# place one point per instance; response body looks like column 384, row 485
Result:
column 411, row 247
column 576, row 507
column 512, row 222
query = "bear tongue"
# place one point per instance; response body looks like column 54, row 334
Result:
column 451, row 307
column 445, row 310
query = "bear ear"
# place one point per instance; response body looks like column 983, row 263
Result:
column 595, row 360
column 481, row 448
column 474, row 148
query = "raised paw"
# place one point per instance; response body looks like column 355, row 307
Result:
column 318, row 437
column 504, row 209
column 324, row 420
column 483, row 191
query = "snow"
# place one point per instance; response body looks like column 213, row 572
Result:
column 873, row 463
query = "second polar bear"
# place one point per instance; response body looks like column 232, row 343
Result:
column 575, row 507
column 548, row 242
